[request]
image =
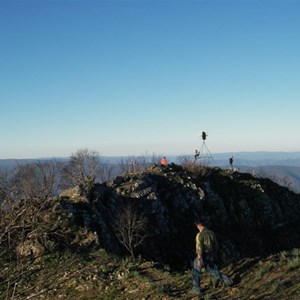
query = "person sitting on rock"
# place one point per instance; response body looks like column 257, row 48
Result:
column 206, row 250
column 197, row 154
column 164, row 161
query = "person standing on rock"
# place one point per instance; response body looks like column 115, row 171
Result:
column 206, row 250
column 231, row 162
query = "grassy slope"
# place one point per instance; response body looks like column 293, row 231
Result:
column 98, row 275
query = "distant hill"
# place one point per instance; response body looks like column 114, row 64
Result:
column 10, row 163
column 287, row 176
column 282, row 167
column 256, row 159
column 251, row 159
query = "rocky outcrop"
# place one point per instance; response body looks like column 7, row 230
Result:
column 256, row 215
column 250, row 216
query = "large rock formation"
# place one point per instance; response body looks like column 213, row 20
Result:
column 250, row 216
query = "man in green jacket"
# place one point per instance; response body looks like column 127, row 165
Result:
column 206, row 250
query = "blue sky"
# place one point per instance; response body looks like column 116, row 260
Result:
column 135, row 77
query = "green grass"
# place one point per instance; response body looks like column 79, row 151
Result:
column 293, row 263
column 296, row 252
column 264, row 269
column 208, row 296
column 99, row 275
column 276, row 287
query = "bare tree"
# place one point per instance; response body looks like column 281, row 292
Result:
column 286, row 182
column 137, row 163
column 49, row 172
column 185, row 160
column 130, row 228
column 130, row 164
column 107, row 172
column 4, row 185
column 194, row 168
column 24, row 182
column 82, row 168
column 155, row 159
column 283, row 180
column 6, row 199
column 32, row 184
column 146, row 160
column 123, row 165
column 188, row 163
column 35, row 180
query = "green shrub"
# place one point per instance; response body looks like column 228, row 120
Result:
column 293, row 263
column 262, row 271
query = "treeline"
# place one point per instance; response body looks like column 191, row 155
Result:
column 31, row 222
column 46, row 178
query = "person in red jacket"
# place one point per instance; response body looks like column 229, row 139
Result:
column 164, row 161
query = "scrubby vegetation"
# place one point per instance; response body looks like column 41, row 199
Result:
column 97, row 274
column 132, row 237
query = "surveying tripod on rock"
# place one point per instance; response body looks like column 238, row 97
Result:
column 204, row 152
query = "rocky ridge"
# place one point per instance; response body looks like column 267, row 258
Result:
column 251, row 217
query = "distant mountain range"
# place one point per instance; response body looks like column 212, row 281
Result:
column 256, row 159
column 282, row 167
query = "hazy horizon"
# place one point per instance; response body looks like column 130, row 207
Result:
column 278, row 155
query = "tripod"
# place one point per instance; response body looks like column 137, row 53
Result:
column 204, row 152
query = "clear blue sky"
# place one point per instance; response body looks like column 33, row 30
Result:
column 134, row 77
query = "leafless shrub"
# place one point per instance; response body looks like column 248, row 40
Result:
column 133, row 164
column 130, row 228
column 25, row 193
column 5, row 199
column 29, row 181
column 82, row 169
column 284, row 181
column 106, row 172
column 35, row 180
column 49, row 172
column 155, row 160
column 186, row 161
column 193, row 166
column 146, row 160
column 123, row 165
column 16, row 225
column 128, row 165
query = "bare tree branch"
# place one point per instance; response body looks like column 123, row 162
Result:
column 130, row 228
column 83, row 168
